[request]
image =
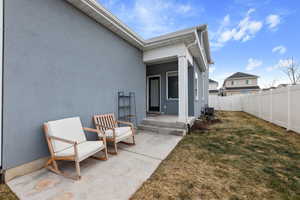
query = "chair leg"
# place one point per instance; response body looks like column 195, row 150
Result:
column 105, row 153
column 55, row 164
column 105, row 157
column 129, row 143
column 116, row 147
column 133, row 140
column 52, row 164
column 77, row 170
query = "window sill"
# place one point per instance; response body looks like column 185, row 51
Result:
column 172, row 99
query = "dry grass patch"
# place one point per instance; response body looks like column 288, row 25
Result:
column 240, row 158
column 6, row 193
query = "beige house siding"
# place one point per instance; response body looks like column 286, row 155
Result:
column 236, row 92
column 213, row 86
column 241, row 82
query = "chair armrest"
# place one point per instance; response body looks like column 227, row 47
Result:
column 62, row 140
column 92, row 130
column 127, row 123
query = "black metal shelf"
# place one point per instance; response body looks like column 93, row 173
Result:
column 127, row 107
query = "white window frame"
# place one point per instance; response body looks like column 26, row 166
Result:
column 196, row 87
column 167, row 85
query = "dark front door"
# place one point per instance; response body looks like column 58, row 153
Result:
column 154, row 94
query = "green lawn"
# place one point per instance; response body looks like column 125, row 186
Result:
column 241, row 157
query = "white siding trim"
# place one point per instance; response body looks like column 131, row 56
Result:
column 183, row 88
column 167, row 85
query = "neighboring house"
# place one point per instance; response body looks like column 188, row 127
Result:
column 267, row 89
column 240, row 83
column 65, row 58
column 213, row 87
column 283, row 85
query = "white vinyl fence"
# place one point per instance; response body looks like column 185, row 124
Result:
column 279, row 106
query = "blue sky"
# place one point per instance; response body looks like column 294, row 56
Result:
column 252, row 36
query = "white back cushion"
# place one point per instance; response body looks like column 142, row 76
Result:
column 69, row 129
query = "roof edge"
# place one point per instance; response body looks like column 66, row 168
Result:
column 104, row 17
column 93, row 9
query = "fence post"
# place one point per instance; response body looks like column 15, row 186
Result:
column 271, row 105
column 289, row 108
column 259, row 104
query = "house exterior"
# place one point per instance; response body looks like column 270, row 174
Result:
column 213, row 87
column 240, row 83
column 65, row 58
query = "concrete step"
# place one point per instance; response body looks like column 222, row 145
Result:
column 163, row 130
column 177, row 125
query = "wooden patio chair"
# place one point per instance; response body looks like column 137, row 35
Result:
column 115, row 134
column 67, row 142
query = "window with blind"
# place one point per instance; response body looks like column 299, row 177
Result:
column 172, row 85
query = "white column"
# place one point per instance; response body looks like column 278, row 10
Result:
column 183, row 88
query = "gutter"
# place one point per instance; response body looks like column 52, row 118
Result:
column 97, row 12
column 198, row 46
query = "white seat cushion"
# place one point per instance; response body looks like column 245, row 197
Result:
column 85, row 149
column 69, row 129
column 120, row 132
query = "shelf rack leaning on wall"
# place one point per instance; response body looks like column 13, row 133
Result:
column 127, row 107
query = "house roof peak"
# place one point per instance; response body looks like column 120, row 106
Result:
column 241, row 75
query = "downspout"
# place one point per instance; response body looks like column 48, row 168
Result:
column 198, row 44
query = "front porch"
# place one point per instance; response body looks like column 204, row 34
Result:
column 177, row 78
column 171, row 119
column 167, row 124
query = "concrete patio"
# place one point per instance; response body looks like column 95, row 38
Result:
column 115, row 179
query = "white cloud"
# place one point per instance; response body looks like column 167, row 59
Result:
column 151, row 18
column 184, row 8
column 226, row 20
column 282, row 63
column 251, row 10
column 273, row 80
column 273, row 21
column 279, row 49
column 253, row 63
column 245, row 30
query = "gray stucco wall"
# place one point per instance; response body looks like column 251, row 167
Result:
column 60, row 63
column 169, row 107
column 197, row 104
column 191, row 91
